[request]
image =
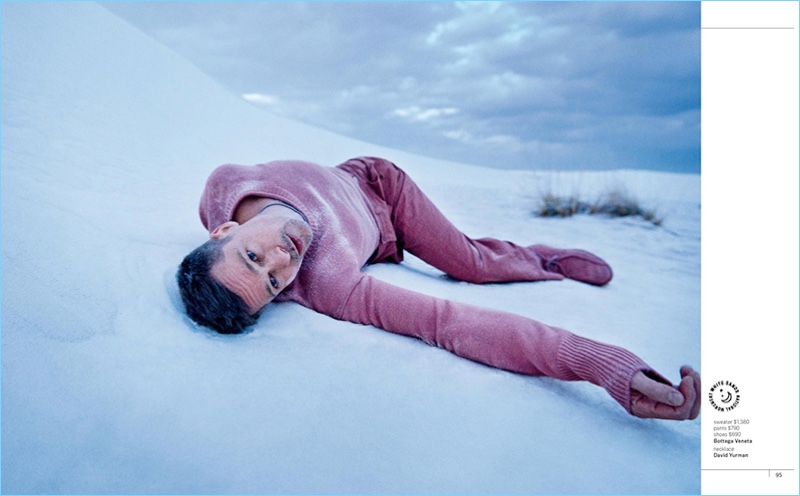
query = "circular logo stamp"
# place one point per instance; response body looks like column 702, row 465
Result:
column 724, row 396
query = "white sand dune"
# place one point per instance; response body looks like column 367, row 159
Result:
column 107, row 139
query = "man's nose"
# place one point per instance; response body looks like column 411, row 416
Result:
column 279, row 257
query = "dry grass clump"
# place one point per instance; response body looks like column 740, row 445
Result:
column 614, row 203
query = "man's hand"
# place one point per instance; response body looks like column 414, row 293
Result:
column 653, row 399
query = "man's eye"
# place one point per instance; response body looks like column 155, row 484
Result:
column 252, row 256
column 274, row 282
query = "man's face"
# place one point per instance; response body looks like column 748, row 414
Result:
column 262, row 256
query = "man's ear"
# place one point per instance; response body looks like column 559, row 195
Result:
column 223, row 230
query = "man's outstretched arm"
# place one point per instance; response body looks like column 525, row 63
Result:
column 519, row 344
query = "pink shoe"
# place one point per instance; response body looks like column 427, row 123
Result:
column 575, row 264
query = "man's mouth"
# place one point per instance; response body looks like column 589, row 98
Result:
column 297, row 243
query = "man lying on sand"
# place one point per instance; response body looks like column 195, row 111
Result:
column 296, row 231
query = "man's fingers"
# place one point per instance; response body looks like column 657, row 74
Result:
column 657, row 391
column 652, row 399
column 688, row 371
column 663, row 410
column 687, row 387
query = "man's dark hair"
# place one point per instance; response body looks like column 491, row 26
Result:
column 207, row 301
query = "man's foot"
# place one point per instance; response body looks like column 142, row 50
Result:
column 575, row 264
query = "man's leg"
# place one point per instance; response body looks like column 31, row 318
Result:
column 425, row 232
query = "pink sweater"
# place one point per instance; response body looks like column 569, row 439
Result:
column 348, row 227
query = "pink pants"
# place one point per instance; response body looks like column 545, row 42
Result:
column 415, row 224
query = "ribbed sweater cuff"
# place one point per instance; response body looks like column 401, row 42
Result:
column 607, row 366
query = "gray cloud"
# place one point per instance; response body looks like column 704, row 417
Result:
column 528, row 84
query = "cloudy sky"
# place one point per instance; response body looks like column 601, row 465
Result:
column 562, row 85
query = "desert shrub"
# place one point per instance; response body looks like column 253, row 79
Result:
column 614, row 203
